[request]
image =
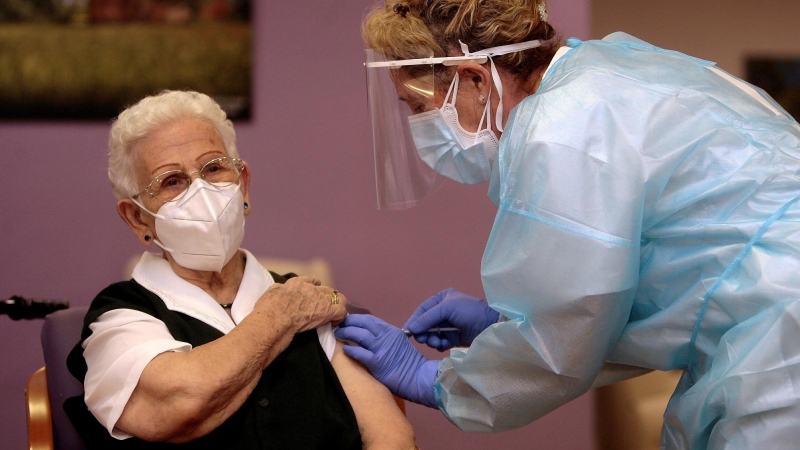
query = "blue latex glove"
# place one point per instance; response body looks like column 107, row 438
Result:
column 387, row 353
column 450, row 308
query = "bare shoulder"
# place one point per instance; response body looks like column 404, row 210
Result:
column 380, row 420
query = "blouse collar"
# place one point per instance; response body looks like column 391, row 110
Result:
column 155, row 274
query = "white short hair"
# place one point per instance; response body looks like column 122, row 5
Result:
column 151, row 113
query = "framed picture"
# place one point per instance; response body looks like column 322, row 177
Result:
column 89, row 59
column 780, row 77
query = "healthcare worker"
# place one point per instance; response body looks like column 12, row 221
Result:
column 648, row 219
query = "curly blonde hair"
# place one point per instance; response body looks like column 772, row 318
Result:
column 408, row 29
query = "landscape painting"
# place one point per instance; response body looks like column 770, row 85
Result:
column 89, row 59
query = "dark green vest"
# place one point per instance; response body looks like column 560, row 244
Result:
column 297, row 404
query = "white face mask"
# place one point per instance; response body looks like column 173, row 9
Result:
column 451, row 150
column 204, row 229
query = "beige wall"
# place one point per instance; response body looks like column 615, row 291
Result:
column 722, row 31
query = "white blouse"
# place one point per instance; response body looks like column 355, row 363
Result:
column 124, row 341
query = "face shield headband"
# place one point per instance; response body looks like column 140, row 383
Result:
column 399, row 89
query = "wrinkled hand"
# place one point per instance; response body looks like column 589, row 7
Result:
column 303, row 303
column 390, row 357
column 450, row 308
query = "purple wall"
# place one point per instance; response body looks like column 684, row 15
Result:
column 313, row 194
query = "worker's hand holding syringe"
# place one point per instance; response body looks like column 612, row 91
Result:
column 450, row 319
column 446, row 320
column 390, row 357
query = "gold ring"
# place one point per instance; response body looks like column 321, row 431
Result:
column 335, row 297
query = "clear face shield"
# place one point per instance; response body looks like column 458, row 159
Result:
column 397, row 91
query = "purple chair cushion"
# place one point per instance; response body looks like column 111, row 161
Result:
column 60, row 332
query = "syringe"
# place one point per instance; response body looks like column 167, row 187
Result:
column 433, row 330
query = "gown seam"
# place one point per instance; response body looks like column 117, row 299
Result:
column 611, row 239
column 691, row 360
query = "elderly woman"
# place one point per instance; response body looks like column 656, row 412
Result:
column 203, row 348
column 648, row 216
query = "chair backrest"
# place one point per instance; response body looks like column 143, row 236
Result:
column 60, row 332
column 314, row 267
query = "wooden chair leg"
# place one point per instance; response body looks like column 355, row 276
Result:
column 40, row 422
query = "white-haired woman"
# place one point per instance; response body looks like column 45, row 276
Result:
column 203, row 348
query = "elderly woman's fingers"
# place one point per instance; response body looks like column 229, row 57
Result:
column 341, row 311
column 337, row 306
column 305, row 305
column 306, row 279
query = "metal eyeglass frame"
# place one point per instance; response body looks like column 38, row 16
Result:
column 235, row 162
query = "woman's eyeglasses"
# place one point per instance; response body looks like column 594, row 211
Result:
column 172, row 184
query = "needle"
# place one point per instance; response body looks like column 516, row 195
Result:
column 433, row 330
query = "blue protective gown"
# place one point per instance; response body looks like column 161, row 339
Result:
column 648, row 215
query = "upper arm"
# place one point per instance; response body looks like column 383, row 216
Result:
column 122, row 344
column 380, row 420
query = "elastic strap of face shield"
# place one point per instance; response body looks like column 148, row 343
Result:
column 497, row 51
column 487, row 113
column 498, row 116
column 453, row 90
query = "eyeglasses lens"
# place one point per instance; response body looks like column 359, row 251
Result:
column 171, row 185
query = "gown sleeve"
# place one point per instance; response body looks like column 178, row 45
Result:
column 561, row 264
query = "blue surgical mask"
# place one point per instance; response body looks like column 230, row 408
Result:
column 447, row 148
